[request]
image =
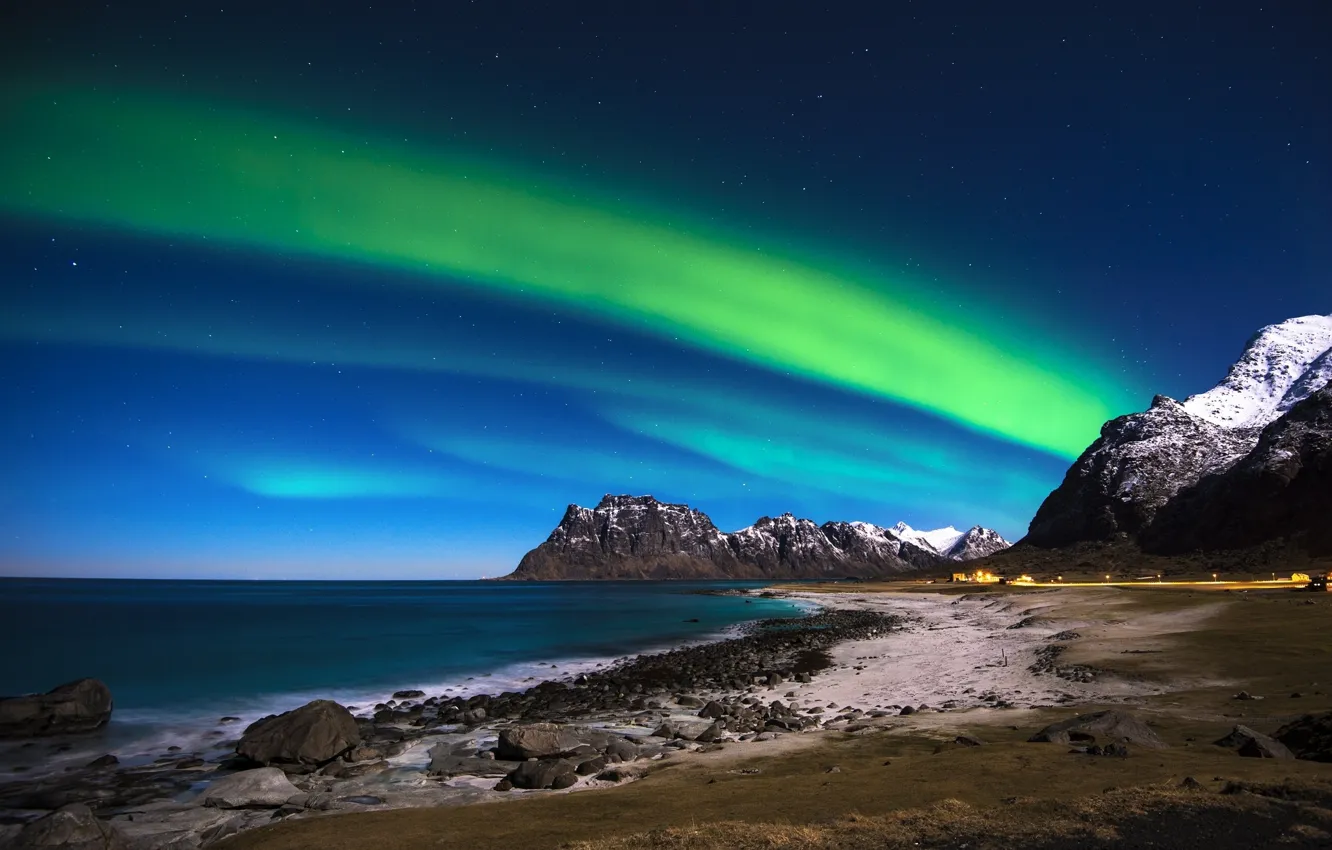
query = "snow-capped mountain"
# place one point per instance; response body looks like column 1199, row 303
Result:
column 976, row 542
column 950, row 544
column 640, row 537
column 1155, row 463
column 1276, row 371
column 939, row 540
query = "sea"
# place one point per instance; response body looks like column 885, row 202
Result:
column 179, row 655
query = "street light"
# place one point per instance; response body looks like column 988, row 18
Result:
column 1213, row 576
column 1107, row 578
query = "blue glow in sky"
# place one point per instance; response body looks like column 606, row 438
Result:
column 753, row 266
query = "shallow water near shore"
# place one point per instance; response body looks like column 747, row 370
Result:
column 178, row 655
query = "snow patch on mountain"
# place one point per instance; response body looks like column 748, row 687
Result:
column 939, row 540
column 1282, row 365
column 1317, row 376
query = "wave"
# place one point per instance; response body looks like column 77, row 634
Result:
column 139, row 736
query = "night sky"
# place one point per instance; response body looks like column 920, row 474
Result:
column 342, row 290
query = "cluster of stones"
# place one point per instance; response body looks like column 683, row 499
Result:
column 541, row 755
column 774, row 653
column 1046, row 662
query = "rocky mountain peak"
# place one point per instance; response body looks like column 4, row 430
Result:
column 1163, row 463
column 641, row 537
column 977, row 542
column 621, row 502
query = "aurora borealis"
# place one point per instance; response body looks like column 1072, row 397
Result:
column 230, row 177
column 241, row 327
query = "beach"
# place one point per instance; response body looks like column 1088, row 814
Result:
column 896, row 663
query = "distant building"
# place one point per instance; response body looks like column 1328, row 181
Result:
column 978, row 577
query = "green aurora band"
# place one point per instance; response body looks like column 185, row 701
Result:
column 219, row 175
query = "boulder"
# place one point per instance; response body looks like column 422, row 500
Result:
column 685, row 730
column 72, row 708
column 537, row 740
column 313, row 734
column 587, row 767
column 619, row 748
column 446, row 762
column 1254, row 744
column 1309, row 737
column 713, row 710
column 72, row 827
column 549, row 773
column 219, row 831
column 1112, row 726
column 364, row 753
column 176, row 826
column 261, row 788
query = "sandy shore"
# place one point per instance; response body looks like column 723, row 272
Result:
column 982, row 651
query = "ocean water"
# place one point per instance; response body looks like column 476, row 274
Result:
column 177, row 655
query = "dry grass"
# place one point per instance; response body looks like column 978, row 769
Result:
column 1139, row 818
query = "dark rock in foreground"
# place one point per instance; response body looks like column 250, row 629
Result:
column 73, row 708
column 547, row 773
column 263, row 787
column 1309, row 738
column 537, row 740
column 314, row 734
column 1253, row 744
column 1118, row 727
column 73, row 827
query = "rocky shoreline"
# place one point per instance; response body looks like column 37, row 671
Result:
column 595, row 729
